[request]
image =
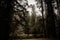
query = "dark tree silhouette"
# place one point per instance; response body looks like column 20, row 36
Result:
column 50, row 20
column 5, row 18
column 58, row 18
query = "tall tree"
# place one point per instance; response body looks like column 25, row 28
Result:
column 58, row 18
column 50, row 20
column 5, row 15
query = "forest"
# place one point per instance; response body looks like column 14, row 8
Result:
column 26, row 19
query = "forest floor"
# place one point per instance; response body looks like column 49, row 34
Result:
column 32, row 38
column 37, row 39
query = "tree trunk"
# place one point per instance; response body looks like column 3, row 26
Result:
column 5, row 19
column 50, row 19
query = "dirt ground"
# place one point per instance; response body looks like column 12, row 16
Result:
column 37, row 39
